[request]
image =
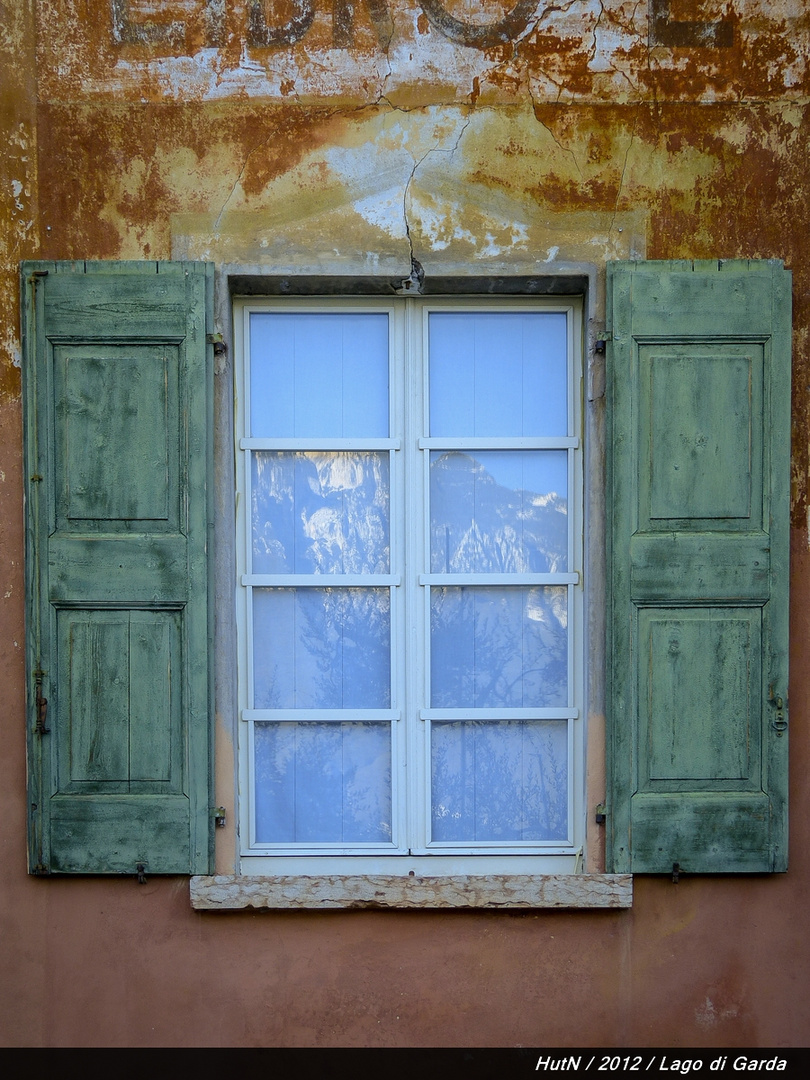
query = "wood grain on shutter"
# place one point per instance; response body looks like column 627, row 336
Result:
column 699, row 403
column 117, row 406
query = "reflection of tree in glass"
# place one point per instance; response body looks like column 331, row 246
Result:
column 320, row 513
column 498, row 648
column 323, row 783
column 321, row 648
column 504, row 781
column 480, row 526
column 348, row 637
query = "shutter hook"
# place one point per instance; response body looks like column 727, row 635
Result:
column 140, row 870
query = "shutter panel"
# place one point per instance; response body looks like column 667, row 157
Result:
column 698, row 493
column 118, row 427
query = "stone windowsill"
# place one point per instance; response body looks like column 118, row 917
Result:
column 231, row 892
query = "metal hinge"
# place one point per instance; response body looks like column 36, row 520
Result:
column 218, row 342
column 601, row 342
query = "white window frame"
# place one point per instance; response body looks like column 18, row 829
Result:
column 409, row 581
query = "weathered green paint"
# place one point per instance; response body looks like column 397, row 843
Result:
column 118, row 385
column 698, row 470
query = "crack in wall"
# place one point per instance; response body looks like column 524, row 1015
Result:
column 622, row 176
column 261, row 146
column 555, row 140
column 434, row 150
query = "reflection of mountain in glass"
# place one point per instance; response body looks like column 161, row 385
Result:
column 320, row 513
column 501, row 511
column 497, row 646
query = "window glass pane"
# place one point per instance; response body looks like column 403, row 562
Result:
column 499, row 781
column 498, row 647
column 318, row 375
column 322, row 783
column 321, row 648
column 498, row 511
column 502, row 373
column 320, row 513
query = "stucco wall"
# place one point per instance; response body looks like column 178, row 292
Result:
column 565, row 133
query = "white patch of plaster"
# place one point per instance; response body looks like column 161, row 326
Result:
column 552, row 254
column 12, row 347
column 708, row 1014
column 519, row 238
column 383, row 211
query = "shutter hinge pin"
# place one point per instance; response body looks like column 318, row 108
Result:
column 676, row 872
column 218, row 342
column 218, row 813
column 601, row 814
column 600, row 345
column 140, row 870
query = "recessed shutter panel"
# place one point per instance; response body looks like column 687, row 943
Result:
column 117, row 390
column 698, row 497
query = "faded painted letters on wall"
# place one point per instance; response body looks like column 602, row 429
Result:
column 264, row 26
column 423, row 50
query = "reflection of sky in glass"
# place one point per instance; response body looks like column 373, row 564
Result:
column 323, row 783
column 319, row 375
column 498, row 373
column 497, row 511
column 320, row 513
column 321, row 648
column 496, row 647
column 504, row 781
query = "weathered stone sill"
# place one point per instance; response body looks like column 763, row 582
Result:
column 231, row 892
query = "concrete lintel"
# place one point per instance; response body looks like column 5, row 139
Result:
column 231, row 892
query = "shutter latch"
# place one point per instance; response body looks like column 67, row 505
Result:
column 41, row 704
column 779, row 723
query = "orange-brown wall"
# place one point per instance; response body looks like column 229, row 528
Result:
column 579, row 139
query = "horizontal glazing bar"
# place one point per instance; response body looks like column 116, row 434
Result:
column 498, row 579
column 341, row 716
column 523, row 442
column 549, row 847
column 454, row 715
column 304, row 850
column 319, row 444
column 321, row 581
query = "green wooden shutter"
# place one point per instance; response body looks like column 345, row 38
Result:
column 118, row 427
column 698, row 490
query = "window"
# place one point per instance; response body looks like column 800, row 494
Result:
column 411, row 623
column 410, row 545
